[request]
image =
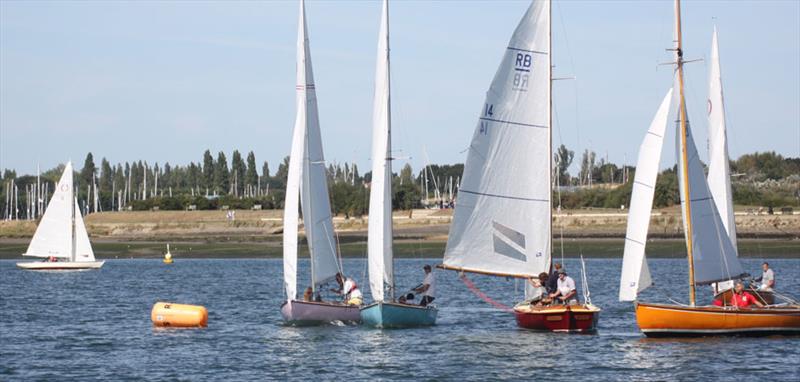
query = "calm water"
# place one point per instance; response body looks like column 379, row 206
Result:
column 96, row 326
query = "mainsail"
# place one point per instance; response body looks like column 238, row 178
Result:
column 719, row 173
column 713, row 254
column 635, row 273
column 502, row 219
column 307, row 180
column 379, row 239
column 54, row 235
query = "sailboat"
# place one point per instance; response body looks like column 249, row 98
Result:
column 307, row 186
column 502, row 224
column 61, row 236
column 384, row 312
column 710, row 245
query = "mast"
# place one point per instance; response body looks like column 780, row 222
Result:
column 550, row 118
column 683, row 125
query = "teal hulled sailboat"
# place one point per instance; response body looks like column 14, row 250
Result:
column 384, row 312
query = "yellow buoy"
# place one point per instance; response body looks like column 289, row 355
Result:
column 168, row 256
column 167, row 314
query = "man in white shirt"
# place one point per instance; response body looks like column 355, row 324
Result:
column 428, row 287
column 767, row 278
column 566, row 291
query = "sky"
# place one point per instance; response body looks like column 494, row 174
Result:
column 163, row 81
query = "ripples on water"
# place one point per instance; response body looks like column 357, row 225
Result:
column 96, row 325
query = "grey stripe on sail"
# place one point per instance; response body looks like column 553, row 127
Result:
column 526, row 50
column 642, row 184
column 512, row 123
column 503, row 248
column 515, row 236
column 635, row 241
column 504, row 196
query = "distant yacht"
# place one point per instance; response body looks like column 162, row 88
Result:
column 61, row 237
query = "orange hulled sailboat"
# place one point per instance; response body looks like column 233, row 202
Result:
column 708, row 227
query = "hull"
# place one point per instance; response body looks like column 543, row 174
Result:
column 306, row 313
column 60, row 265
column 559, row 318
column 662, row 320
column 386, row 315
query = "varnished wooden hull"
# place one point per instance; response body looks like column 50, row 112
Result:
column 559, row 318
column 662, row 320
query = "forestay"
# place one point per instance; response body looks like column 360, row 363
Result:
column 53, row 236
column 502, row 224
column 713, row 254
column 635, row 273
column 379, row 239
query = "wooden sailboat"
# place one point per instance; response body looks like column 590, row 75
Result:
column 710, row 245
column 61, row 236
column 502, row 224
column 384, row 312
column 307, row 186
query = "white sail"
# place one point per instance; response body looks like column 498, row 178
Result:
column 502, row 219
column 53, row 236
column 635, row 273
column 314, row 197
column 292, row 199
column 83, row 248
column 714, row 257
column 379, row 239
column 719, row 173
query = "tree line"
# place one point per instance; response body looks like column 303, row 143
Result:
column 212, row 183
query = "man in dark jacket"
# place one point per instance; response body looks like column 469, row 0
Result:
column 552, row 281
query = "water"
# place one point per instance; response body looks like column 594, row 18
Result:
column 96, row 326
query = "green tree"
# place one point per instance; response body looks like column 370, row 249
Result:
column 221, row 175
column 89, row 170
column 238, row 170
column 251, row 178
column 563, row 161
column 208, row 170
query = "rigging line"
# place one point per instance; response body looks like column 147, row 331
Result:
column 471, row 286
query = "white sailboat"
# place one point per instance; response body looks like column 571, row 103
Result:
column 502, row 222
column 384, row 312
column 61, row 237
column 307, row 186
column 711, row 253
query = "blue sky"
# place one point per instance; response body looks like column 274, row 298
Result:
column 163, row 81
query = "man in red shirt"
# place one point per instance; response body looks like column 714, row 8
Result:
column 742, row 299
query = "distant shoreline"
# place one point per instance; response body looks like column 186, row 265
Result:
column 403, row 248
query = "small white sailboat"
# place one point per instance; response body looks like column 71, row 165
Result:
column 61, row 237
column 384, row 312
column 502, row 224
column 307, row 186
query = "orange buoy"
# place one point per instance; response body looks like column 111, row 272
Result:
column 167, row 314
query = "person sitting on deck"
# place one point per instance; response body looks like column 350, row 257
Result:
column 566, row 291
column 742, row 299
column 552, row 280
column 428, row 287
column 348, row 289
column 767, row 278
column 407, row 299
column 308, row 295
column 538, row 290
